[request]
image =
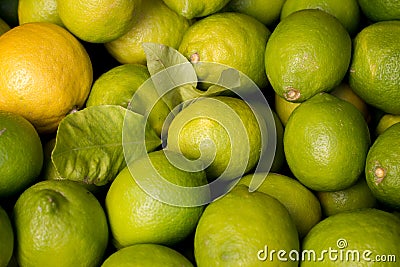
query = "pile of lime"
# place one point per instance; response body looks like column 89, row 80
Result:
column 199, row 133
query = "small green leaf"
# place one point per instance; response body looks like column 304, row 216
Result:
column 89, row 146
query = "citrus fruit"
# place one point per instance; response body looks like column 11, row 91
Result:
column 138, row 217
column 241, row 228
column 21, row 154
column 267, row 12
column 382, row 168
column 385, row 122
column 353, row 238
column 195, row 9
column 38, row 11
column 279, row 157
column 6, row 238
column 302, row 205
column 357, row 196
column 146, row 255
column 326, row 141
column 308, row 52
column 344, row 91
column 117, row 87
column 284, row 108
column 156, row 24
column 46, row 71
column 233, row 39
column 98, row 21
column 347, row 12
column 3, row 26
column 380, row 10
column 373, row 73
column 9, row 11
column 221, row 131
column 59, row 223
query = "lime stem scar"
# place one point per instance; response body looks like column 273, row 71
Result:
column 380, row 174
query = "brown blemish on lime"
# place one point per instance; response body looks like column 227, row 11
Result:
column 3, row 130
column 194, row 58
column 291, row 94
column 379, row 174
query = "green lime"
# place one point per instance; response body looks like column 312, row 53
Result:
column 21, row 154
column 221, row 131
column 379, row 10
column 357, row 196
column 241, row 228
column 233, row 39
column 373, row 73
column 38, row 11
column 59, row 223
column 308, row 52
column 365, row 237
column 155, row 24
column 382, row 168
column 346, row 11
column 146, row 255
column 135, row 216
column 6, row 238
column 195, row 9
column 267, row 12
column 326, row 141
column 385, row 122
column 302, row 204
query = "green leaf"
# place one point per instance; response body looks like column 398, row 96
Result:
column 89, row 143
column 169, row 71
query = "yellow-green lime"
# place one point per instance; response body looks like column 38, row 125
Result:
column 117, row 87
column 38, row 11
column 3, row 26
column 308, row 52
column 284, row 108
column 230, row 38
column 279, row 157
column 302, row 205
column 268, row 12
column 346, row 11
column 98, row 21
column 385, row 122
column 135, row 216
column 382, row 168
column 357, row 196
column 155, row 23
column 59, row 223
column 146, row 255
column 21, row 154
column 326, row 141
column 195, row 9
column 242, row 228
column 344, row 91
column 380, row 10
column 365, row 237
column 6, row 238
column 221, row 131
column 374, row 70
